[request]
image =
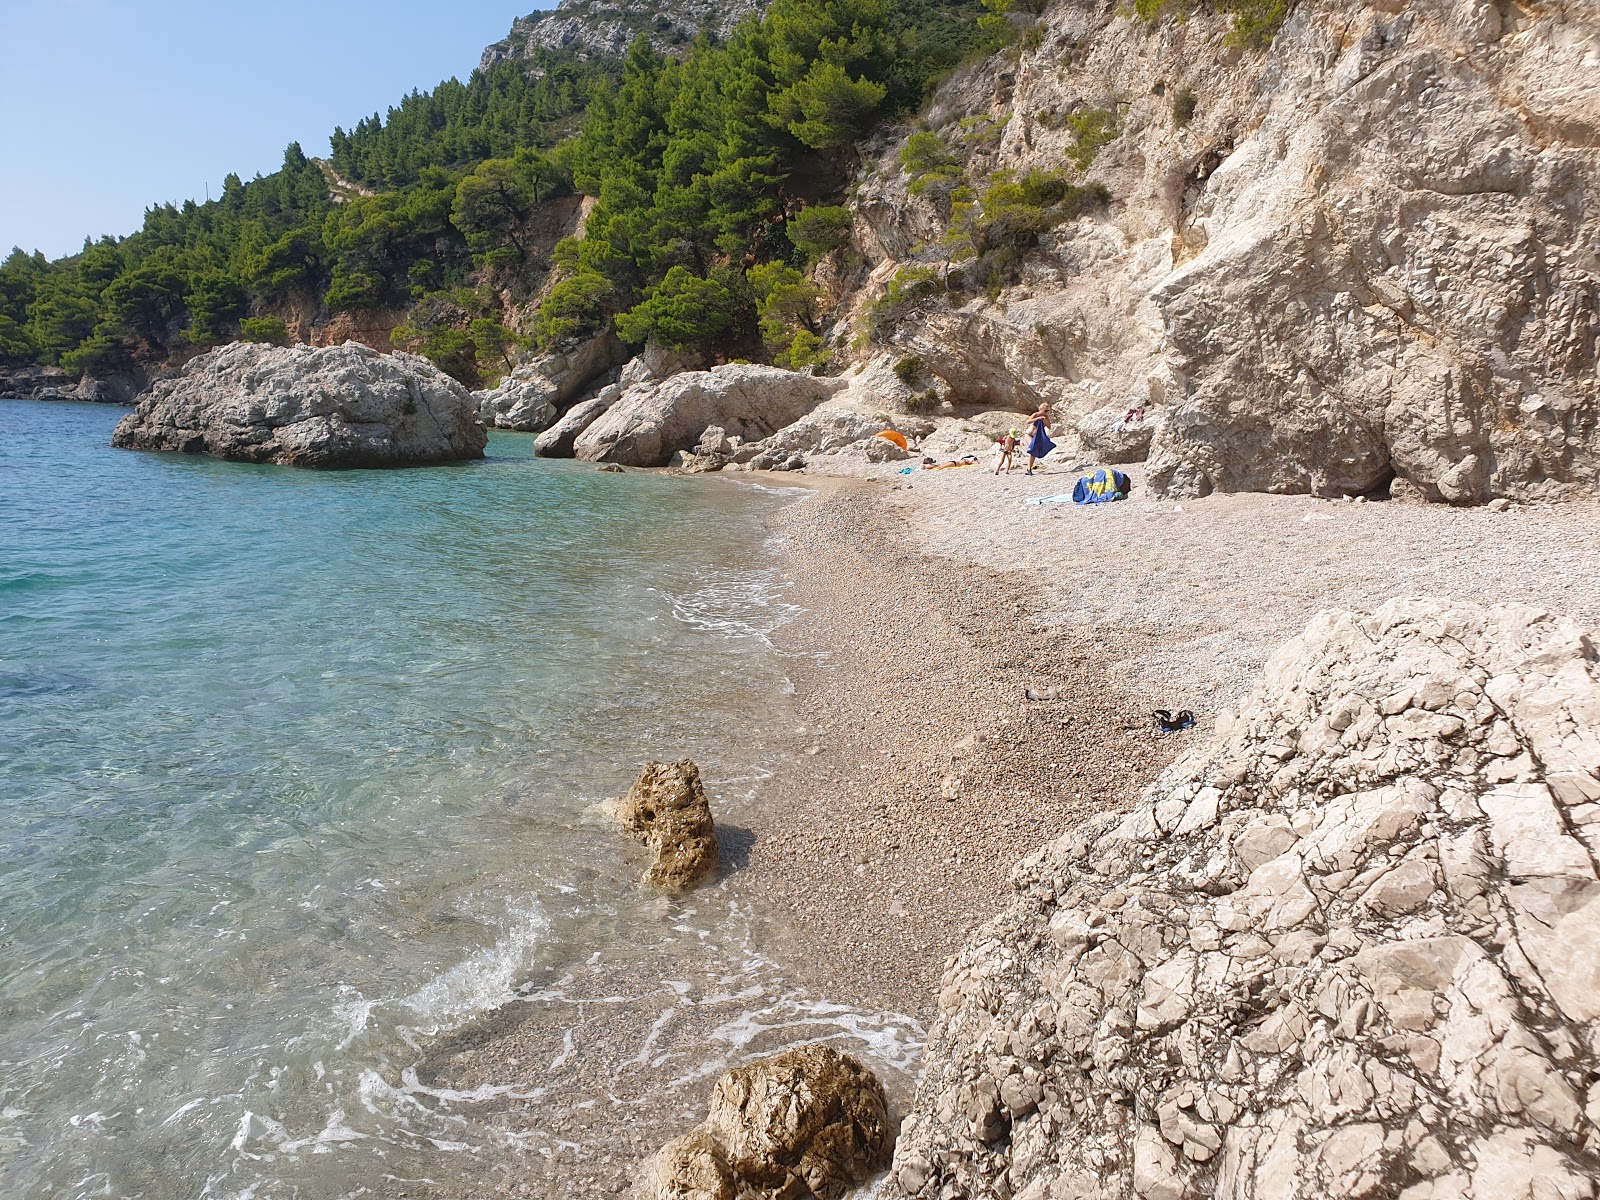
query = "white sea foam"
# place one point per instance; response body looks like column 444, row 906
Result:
column 486, row 979
column 735, row 606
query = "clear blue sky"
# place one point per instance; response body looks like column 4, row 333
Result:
column 112, row 105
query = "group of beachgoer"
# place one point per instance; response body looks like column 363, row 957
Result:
column 1038, row 443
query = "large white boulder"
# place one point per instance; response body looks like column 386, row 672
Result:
column 1108, row 436
column 1348, row 946
column 339, row 406
column 653, row 420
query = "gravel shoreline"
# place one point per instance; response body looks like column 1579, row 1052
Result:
column 972, row 675
column 930, row 771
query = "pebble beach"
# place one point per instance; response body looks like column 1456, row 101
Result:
column 974, row 675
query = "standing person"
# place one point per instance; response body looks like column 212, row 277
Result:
column 1008, row 447
column 1039, row 443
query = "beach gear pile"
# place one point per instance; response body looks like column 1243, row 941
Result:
column 1104, row 486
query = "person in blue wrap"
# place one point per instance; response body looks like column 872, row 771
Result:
column 1039, row 443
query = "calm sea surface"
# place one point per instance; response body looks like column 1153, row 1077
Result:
column 298, row 769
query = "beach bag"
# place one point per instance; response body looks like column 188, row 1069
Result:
column 1104, row 486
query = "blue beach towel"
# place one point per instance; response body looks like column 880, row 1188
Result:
column 1103, row 487
column 1040, row 444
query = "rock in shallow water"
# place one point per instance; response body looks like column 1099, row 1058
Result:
column 341, row 406
column 652, row 420
column 809, row 1121
column 667, row 810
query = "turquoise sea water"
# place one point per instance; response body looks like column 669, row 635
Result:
column 299, row 768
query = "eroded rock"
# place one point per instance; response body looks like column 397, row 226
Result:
column 1118, row 434
column 1347, row 948
column 809, row 1121
column 529, row 399
column 558, row 440
column 1354, row 260
column 654, row 419
column 338, row 406
column 667, row 810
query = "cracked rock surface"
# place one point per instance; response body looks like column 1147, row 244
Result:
column 338, row 406
column 809, row 1121
column 1350, row 947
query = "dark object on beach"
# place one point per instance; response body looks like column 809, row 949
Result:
column 667, row 810
column 809, row 1121
column 1167, row 723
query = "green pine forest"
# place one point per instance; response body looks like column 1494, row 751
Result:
column 717, row 175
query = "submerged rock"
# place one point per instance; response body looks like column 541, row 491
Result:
column 809, row 1121
column 340, row 406
column 1350, row 947
column 667, row 810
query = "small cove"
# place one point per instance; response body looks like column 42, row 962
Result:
column 299, row 775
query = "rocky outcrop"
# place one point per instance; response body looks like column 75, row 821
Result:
column 1362, row 253
column 52, row 383
column 1349, row 947
column 807, row 1122
column 531, row 398
column 1119, row 434
column 605, row 28
column 343, row 406
column 667, row 810
column 655, row 419
column 558, row 440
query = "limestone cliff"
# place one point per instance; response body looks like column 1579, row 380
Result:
column 592, row 28
column 1348, row 948
column 1364, row 252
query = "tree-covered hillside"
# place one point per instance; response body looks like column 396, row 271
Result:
column 716, row 174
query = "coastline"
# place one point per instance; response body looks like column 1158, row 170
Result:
column 952, row 733
column 920, row 770
column 858, row 865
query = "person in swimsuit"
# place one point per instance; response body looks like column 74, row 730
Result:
column 1008, row 447
column 1039, row 443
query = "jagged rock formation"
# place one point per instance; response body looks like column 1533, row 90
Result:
column 1350, row 947
column 667, row 810
column 653, row 420
column 558, row 440
column 52, row 383
column 342, row 406
column 809, row 1121
column 598, row 28
column 532, row 396
column 1364, row 253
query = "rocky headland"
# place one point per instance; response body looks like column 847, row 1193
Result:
column 342, row 406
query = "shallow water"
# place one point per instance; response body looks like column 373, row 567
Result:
column 300, row 769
